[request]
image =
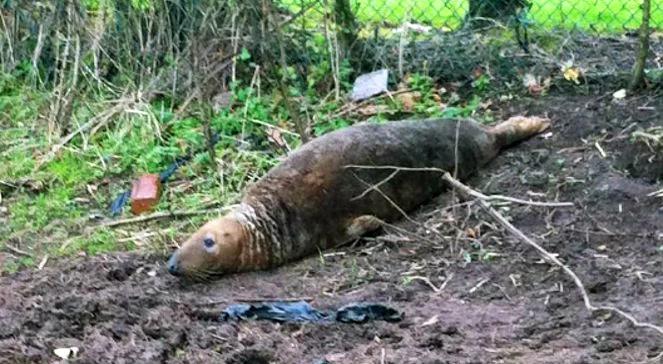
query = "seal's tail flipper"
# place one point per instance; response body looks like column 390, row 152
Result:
column 518, row 128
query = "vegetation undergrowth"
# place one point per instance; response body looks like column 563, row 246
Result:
column 601, row 15
column 53, row 208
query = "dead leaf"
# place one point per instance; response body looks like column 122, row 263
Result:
column 276, row 137
column 408, row 100
column 33, row 185
column 222, row 101
column 370, row 110
column 66, row 353
column 335, row 357
column 571, row 72
column 619, row 94
column 485, row 105
column 533, row 84
column 470, row 233
column 477, row 72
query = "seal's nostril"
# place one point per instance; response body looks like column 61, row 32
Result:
column 173, row 267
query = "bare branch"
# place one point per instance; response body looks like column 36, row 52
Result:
column 162, row 215
column 548, row 256
column 483, row 201
column 474, row 193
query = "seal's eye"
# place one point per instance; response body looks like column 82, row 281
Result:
column 208, row 243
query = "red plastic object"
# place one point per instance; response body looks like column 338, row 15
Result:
column 145, row 193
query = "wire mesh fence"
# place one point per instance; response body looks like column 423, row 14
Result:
column 451, row 39
column 597, row 15
column 165, row 43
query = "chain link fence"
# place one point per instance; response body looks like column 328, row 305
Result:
column 183, row 47
column 598, row 15
column 452, row 39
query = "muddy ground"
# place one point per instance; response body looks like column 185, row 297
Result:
column 509, row 307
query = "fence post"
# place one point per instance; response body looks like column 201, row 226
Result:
column 494, row 9
column 638, row 78
column 347, row 24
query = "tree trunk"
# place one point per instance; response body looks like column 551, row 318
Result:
column 638, row 79
column 347, row 23
column 495, row 9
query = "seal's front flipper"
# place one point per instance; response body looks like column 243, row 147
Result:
column 362, row 225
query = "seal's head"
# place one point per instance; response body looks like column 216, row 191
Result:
column 213, row 250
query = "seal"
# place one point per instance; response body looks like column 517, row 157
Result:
column 316, row 198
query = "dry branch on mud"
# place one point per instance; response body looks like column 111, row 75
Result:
column 483, row 201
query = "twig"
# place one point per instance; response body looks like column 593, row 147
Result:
column 600, row 149
column 161, row 215
column 43, row 262
column 95, row 123
column 256, row 299
column 384, row 195
column 550, row 257
column 7, row 33
column 37, row 52
column 406, row 232
column 483, row 201
column 398, row 208
column 353, row 107
column 473, row 193
column 430, row 284
column 293, row 111
column 478, row 285
column 333, row 51
column 268, row 125
column 17, row 251
column 376, row 186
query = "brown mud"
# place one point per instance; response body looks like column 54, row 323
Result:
column 500, row 304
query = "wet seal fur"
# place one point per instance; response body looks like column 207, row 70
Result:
column 312, row 201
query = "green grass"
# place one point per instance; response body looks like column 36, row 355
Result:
column 600, row 15
column 100, row 241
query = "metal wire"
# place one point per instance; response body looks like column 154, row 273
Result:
column 596, row 16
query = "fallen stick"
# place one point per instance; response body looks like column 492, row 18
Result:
column 483, row 201
column 256, row 300
column 17, row 251
column 550, row 257
column 471, row 192
column 355, row 106
column 94, row 123
column 161, row 215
